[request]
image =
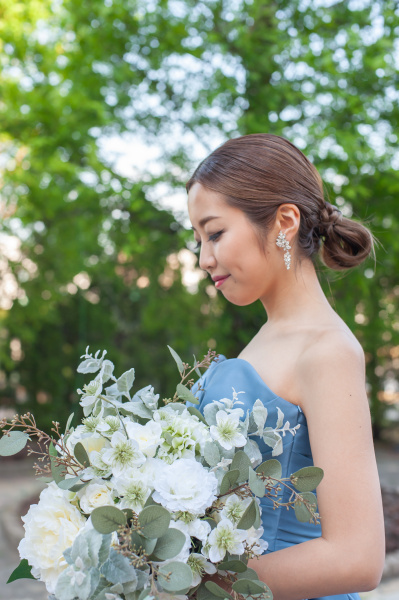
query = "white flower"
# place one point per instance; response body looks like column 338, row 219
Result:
column 234, row 508
column 184, row 486
column 184, row 435
column 199, row 529
column 147, row 396
column 133, row 489
column 123, row 454
column 199, row 565
column 254, row 542
column 90, row 395
column 95, row 494
column 98, row 467
column 91, row 441
column 152, row 470
column 226, row 432
column 109, row 425
column 224, row 538
column 50, row 528
column 147, row 436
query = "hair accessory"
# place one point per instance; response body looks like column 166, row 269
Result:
column 282, row 242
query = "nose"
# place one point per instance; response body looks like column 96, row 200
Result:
column 207, row 260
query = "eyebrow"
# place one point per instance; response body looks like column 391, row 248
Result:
column 204, row 221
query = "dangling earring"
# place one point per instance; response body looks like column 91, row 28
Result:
column 282, row 242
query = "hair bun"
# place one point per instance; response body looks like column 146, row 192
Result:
column 329, row 217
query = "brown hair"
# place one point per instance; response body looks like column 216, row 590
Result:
column 258, row 172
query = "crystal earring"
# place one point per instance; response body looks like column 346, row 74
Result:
column 282, row 242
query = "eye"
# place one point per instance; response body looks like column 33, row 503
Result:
column 215, row 236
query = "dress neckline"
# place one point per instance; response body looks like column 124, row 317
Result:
column 261, row 380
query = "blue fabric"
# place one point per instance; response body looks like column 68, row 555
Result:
column 281, row 528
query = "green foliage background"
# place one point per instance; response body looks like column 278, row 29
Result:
column 182, row 75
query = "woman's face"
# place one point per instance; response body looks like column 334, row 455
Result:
column 230, row 248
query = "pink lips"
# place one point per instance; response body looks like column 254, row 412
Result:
column 220, row 279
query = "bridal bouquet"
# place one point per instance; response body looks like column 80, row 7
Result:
column 146, row 499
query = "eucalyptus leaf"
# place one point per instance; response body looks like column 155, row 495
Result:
column 251, row 587
column 13, row 442
column 142, row 543
column 307, row 479
column 81, row 455
column 67, row 484
column 302, row 513
column 248, row 574
column 229, row 480
column 57, row 470
column 211, row 454
column 175, row 576
column 177, row 359
column 185, row 394
column 194, row 411
column 106, row 519
column 68, row 423
column 23, row 571
column 154, row 521
column 256, row 485
column 270, row 468
column 242, row 463
column 232, row 565
column 216, row 590
column 248, row 518
column 170, row 544
column 258, row 521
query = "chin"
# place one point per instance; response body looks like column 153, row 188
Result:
column 241, row 300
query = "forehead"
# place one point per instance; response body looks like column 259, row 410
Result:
column 203, row 203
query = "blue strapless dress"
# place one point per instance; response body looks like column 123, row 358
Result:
column 281, row 528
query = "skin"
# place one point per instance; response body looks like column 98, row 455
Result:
column 307, row 355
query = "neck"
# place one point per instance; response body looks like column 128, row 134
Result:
column 296, row 298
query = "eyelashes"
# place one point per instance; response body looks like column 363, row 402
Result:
column 211, row 238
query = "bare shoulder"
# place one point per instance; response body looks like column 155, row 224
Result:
column 333, row 362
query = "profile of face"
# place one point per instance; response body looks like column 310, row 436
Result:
column 230, row 248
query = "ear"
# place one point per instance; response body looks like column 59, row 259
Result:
column 288, row 219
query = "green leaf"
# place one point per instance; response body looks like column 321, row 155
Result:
column 251, row 587
column 242, row 463
column 211, row 454
column 216, row 590
column 154, row 521
column 229, row 480
column 270, row 468
column 248, row 518
column 177, row 358
column 67, row 484
column 52, row 450
column 68, row 423
column 302, row 513
column 170, row 544
column 258, row 522
column 185, row 394
column 256, row 485
column 81, row 455
column 57, row 470
column 13, row 442
column 125, row 382
column 175, row 576
column 194, row 411
column 232, row 565
column 248, row 574
column 307, row 479
column 107, row 519
column 23, row 571
column 146, row 544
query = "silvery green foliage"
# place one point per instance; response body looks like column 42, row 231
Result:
column 163, row 470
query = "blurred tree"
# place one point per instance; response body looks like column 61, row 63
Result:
column 185, row 74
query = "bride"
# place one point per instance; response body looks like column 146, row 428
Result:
column 258, row 214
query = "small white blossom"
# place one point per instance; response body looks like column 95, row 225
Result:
column 110, row 425
column 254, row 542
column 226, row 431
column 199, row 565
column 123, row 454
column 234, row 508
column 147, row 436
column 224, row 538
column 90, row 395
column 133, row 490
column 147, row 396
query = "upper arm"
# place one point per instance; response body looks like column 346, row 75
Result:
column 334, row 399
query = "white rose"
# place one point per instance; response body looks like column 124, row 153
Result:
column 50, row 528
column 94, row 495
column 186, row 486
column 147, row 436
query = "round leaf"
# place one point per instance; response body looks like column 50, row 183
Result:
column 242, row 463
column 13, row 442
column 233, row 565
column 270, row 468
column 154, row 521
column 248, row 518
column 170, row 544
column 175, row 576
column 250, row 587
column 256, row 485
column 142, row 544
column 307, row 479
column 107, row 519
column 216, row 590
column 81, row 454
column 302, row 513
column 229, row 480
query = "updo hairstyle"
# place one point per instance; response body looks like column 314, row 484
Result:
column 257, row 173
